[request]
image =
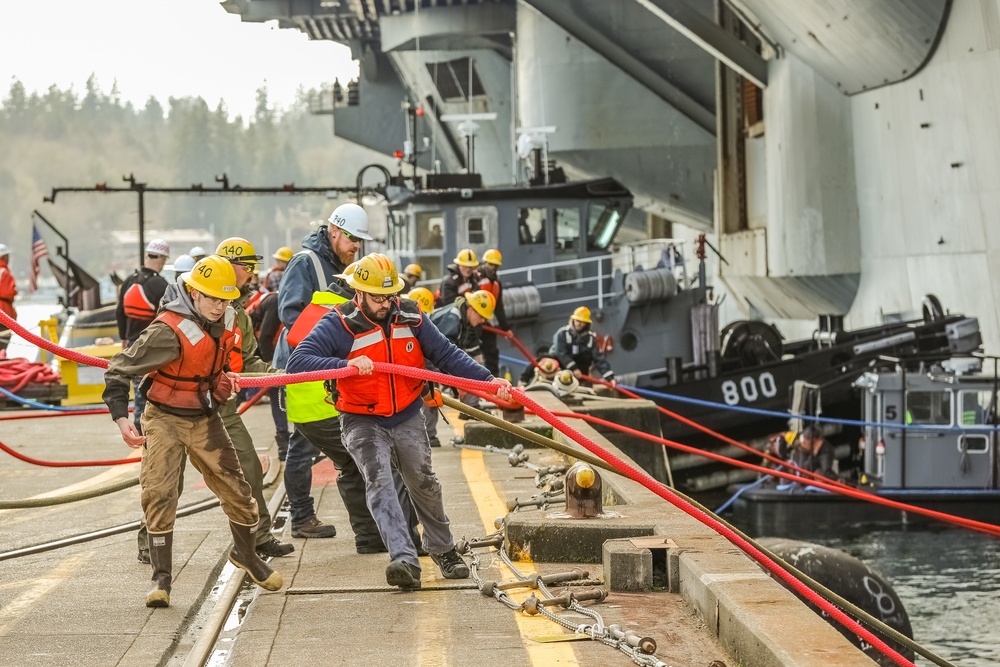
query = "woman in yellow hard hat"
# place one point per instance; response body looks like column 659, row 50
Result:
column 183, row 354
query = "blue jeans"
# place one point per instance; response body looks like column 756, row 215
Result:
column 277, row 397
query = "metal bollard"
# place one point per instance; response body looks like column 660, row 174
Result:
column 584, row 491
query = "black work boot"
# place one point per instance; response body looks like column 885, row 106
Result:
column 274, row 548
column 244, row 556
column 402, row 574
column 452, row 565
column 161, row 556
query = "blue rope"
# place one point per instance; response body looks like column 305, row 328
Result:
column 40, row 406
column 739, row 492
column 790, row 415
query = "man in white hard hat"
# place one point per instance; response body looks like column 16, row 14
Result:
column 8, row 290
column 138, row 300
column 197, row 253
column 327, row 253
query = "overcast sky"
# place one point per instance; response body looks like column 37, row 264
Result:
column 162, row 48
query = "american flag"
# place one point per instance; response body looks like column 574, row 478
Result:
column 38, row 250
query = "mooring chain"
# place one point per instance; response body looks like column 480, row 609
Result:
column 639, row 649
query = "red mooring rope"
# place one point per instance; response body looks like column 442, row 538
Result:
column 488, row 387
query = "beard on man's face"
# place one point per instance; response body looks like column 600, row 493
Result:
column 375, row 315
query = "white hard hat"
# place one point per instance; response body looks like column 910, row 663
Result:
column 197, row 251
column 184, row 263
column 158, row 247
column 4, row 250
column 352, row 219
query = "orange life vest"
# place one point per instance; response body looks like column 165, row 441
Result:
column 187, row 381
column 254, row 301
column 382, row 394
column 136, row 305
column 491, row 286
column 236, row 354
column 306, row 322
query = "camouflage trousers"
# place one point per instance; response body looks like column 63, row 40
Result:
column 205, row 441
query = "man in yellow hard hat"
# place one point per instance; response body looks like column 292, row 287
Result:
column 380, row 413
column 412, row 275
column 423, row 296
column 575, row 347
column 459, row 277
column 462, row 324
column 184, row 357
column 272, row 279
column 489, row 280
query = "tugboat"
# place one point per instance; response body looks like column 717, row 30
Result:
column 929, row 439
column 657, row 325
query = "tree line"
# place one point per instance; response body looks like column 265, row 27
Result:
column 63, row 138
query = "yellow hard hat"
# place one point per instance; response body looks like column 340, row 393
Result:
column 493, row 256
column 213, row 276
column 414, row 270
column 283, row 254
column 466, row 257
column 239, row 250
column 581, row 314
column 375, row 274
column 482, row 302
column 423, row 296
column 790, row 437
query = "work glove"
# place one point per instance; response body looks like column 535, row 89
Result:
column 224, row 388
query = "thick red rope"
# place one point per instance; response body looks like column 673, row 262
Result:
column 64, row 464
column 624, row 468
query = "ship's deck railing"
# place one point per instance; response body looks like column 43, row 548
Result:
column 627, row 257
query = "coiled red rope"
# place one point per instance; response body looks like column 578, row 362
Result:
column 15, row 374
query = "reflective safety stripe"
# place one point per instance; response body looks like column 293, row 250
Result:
column 192, row 331
column 368, row 340
column 403, row 333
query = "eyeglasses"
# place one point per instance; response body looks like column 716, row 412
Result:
column 350, row 237
column 379, row 298
column 249, row 266
column 214, row 300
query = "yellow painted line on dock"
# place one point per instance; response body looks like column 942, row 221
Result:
column 15, row 609
column 491, row 506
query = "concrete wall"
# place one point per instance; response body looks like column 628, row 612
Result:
column 928, row 179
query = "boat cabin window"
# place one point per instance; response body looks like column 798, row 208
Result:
column 974, row 443
column 603, row 225
column 567, row 223
column 477, row 231
column 974, row 407
column 531, row 226
column 430, row 230
column 928, row 407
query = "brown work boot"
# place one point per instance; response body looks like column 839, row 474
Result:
column 243, row 556
column 313, row 527
column 161, row 557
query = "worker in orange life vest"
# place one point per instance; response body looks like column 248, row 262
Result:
column 184, row 358
column 138, row 299
column 489, row 280
column 8, row 290
column 380, row 414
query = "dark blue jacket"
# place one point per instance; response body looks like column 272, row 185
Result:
column 299, row 281
column 329, row 343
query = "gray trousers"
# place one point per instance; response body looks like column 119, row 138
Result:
column 376, row 449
